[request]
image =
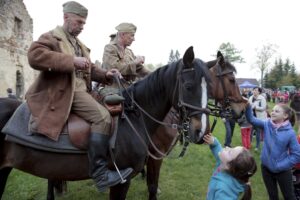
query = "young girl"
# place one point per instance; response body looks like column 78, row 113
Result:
column 232, row 172
column 280, row 152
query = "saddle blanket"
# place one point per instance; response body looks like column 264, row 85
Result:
column 17, row 131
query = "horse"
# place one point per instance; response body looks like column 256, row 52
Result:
column 295, row 105
column 178, row 84
column 7, row 108
column 224, row 89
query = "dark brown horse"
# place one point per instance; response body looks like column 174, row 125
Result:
column 7, row 108
column 179, row 85
column 295, row 104
column 223, row 89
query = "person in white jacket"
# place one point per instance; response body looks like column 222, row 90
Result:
column 259, row 106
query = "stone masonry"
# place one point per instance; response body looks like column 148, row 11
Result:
column 15, row 38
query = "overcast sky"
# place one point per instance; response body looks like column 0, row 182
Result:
column 177, row 24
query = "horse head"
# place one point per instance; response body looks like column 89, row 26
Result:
column 192, row 96
column 224, row 88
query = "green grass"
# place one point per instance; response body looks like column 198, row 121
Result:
column 180, row 178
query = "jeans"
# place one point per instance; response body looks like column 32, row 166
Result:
column 257, row 135
column 229, row 126
column 284, row 180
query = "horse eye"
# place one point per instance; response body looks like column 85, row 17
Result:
column 188, row 86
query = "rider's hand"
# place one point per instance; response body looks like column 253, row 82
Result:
column 113, row 72
column 139, row 60
column 81, row 63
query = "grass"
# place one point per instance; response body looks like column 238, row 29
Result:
column 180, row 178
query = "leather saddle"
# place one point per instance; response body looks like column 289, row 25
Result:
column 73, row 139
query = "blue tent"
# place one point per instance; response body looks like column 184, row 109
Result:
column 247, row 84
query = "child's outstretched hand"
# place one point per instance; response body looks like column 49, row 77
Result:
column 208, row 139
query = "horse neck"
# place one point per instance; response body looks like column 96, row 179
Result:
column 155, row 93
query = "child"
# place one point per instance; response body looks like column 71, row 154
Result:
column 281, row 150
column 232, row 172
column 245, row 131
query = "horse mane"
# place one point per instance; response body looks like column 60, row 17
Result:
column 156, row 80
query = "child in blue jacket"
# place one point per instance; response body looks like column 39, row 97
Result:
column 233, row 169
column 280, row 151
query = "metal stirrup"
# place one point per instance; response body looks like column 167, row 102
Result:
column 117, row 169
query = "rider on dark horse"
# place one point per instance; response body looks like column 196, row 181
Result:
column 118, row 55
column 63, row 86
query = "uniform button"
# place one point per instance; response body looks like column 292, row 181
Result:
column 52, row 108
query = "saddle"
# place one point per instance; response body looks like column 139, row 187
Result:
column 75, row 134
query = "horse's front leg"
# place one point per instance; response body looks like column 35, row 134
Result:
column 153, row 170
column 119, row 192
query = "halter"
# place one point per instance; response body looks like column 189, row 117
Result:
column 182, row 106
column 224, row 110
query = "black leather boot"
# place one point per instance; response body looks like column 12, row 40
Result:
column 98, row 153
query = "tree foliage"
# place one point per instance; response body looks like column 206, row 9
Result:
column 264, row 55
column 174, row 56
column 231, row 53
column 282, row 73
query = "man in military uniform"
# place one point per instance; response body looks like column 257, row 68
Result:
column 118, row 55
column 62, row 87
column 10, row 93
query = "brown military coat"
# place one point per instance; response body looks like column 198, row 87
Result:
column 50, row 96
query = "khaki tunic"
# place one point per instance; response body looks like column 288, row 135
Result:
column 115, row 56
column 50, row 97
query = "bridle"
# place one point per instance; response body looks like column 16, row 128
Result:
column 223, row 109
column 182, row 107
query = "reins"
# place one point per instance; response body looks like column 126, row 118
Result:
column 181, row 104
column 171, row 125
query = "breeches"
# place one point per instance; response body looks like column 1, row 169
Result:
column 86, row 107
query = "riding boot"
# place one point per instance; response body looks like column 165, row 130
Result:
column 98, row 155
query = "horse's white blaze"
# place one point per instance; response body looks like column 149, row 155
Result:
column 203, row 105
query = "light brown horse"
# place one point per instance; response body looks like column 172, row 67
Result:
column 229, row 102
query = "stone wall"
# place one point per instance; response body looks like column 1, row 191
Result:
column 15, row 38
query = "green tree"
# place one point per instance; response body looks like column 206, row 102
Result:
column 177, row 55
column 174, row 56
column 231, row 53
column 264, row 55
column 286, row 67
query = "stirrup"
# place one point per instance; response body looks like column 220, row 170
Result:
column 117, row 169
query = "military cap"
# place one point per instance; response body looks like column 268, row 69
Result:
column 75, row 8
column 126, row 27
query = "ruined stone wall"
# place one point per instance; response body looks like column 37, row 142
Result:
column 15, row 38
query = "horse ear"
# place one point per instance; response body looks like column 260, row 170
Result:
column 188, row 56
column 219, row 54
column 220, row 58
